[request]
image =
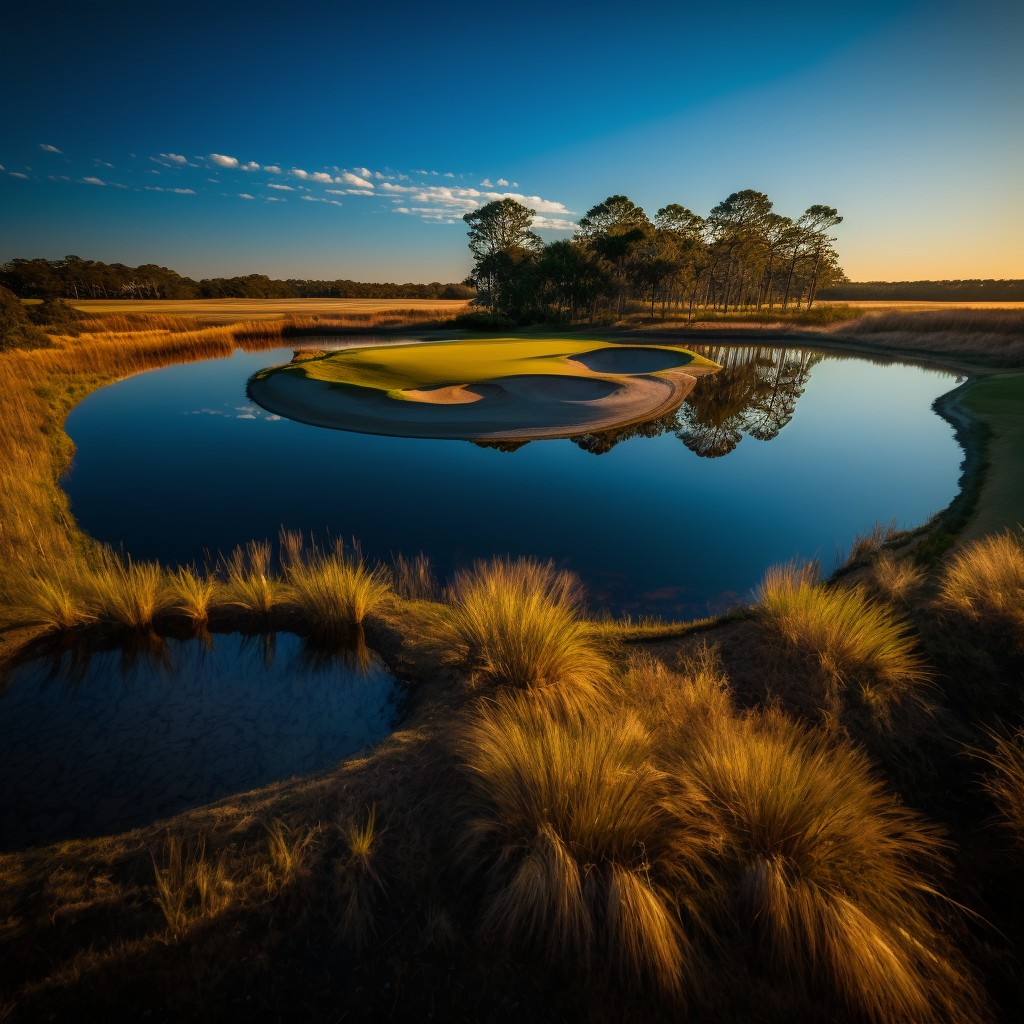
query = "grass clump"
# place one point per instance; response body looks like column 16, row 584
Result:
column 896, row 579
column 819, row 878
column 985, row 583
column 517, row 623
column 335, row 592
column 358, row 880
column 250, row 584
column 1005, row 784
column 855, row 642
column 191, row 593
column 568, row 830
column 126, row 593
column 414, row 578
column 189, row 886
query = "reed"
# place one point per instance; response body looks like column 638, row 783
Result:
column 518, row 624
column 568, row 829
column 984, row 582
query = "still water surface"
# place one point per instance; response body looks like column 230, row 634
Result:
column 783, row 454
column 95, row 743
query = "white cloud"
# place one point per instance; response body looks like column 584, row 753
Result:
column 317, row 199
column 2, row 168
column 554, row 223
column 251, row 166
column 501, row 181
column 300, row 174
column 281, row 188
column 336, row 191
column 102, row 163
column 363, row 172
column 213, row 181
column 183, row 191
column 223, row 161
column 93, row 181
column 448, row 174
column 276, row 199
column 46, row 147
column 353, row 179
column 18, row 174
column 245, row 195
column 175, row 158
column 322, row 177
column 272, row 169
column 153, row 188
column 487, row 183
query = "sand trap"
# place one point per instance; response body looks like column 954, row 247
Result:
column 627, row 359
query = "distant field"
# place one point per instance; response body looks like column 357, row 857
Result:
column 911, row 306
column 224, row 311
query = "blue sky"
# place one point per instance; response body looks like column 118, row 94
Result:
column 348, row 140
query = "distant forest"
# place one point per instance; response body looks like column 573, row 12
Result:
column 75, row 278
column 934, row 291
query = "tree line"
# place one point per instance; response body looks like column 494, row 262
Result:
column 77, row 278
column 741, row 255
column 976, row 290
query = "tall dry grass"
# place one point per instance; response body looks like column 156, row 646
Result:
column 817, row 876
column 518, row 624
column 984, row 582
column 859, row 645
column 569, row 832
column 189, row 886
column 1005, row 783
column 359, row 883
column 896, row 579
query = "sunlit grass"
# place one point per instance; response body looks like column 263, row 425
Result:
column 251, row 586
column 127, row 593
column 896, row 579
column 856, row 641
column 984, row 582
column 1005, row 782
column 191, row 593
column 358, row 880
column 189, row 886
column 819, row 873
column 568, row 829
column 518, row 624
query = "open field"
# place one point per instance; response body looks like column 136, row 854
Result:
column 787, row 814
column 909, row 306
column 227, row 311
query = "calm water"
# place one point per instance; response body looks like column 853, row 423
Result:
column 100, row 743
column 784, row 454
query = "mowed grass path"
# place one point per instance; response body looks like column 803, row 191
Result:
column 999, row 403
column 225, row 311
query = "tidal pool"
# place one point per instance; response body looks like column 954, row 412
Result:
column 783, row 454
column 95, row 743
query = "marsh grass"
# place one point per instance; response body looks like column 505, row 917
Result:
column 1005, row 782
column 189, row 886
column 568, row 830
column 126, row 593
column 818, row 875
column 984, row 583
column 859, row 645
column 250, row 584
column 897, row 580
column 359, row 884
column 335, row 591
column 191, row 593
column 518, row 624
column 288, row 854
column 865, row 545
column 414, row 578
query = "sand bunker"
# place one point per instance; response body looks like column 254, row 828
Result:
column 581, row 387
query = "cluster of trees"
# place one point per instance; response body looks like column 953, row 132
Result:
column 976, row 290
column 75, row 278
column 742, row 254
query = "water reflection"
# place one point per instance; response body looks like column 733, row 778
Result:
column 101, row 741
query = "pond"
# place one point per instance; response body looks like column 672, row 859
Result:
column 785, row 453
column 100, row 742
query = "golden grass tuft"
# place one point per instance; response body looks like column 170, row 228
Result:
column 896, row 579
column 854, row 640
column 127, row 593
column 358, row 881
column 568, row 829
column 191, row 593
column 984, row 582
column 250, row 584
column 288, row 851
column 518, row 624
column 336, row 592
column 190, row 887
column 819, row 873
column 414, row 578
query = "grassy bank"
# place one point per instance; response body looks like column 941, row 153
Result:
column 806, row 811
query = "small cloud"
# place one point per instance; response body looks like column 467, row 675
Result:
column 153, row 188
column 18, row 174
column 448, row 174
column 174, row 158
column 272, row 169
column 93, row 181
column 251, row 166
column 102, row 163
column 223, row 161
column 501, row 181
column 151, row 170
column 323, row 178
column 47, row 148
column 299, row 173
column 363, row 172
column 245, row 195
column 183, row 191
column 213, row 181
column 487, row 183
column 276, row 199
column 352, row 179
column 282, row 188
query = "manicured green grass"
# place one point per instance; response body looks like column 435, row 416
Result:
column 403, row 367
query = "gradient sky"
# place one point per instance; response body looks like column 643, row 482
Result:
column 347, row 140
